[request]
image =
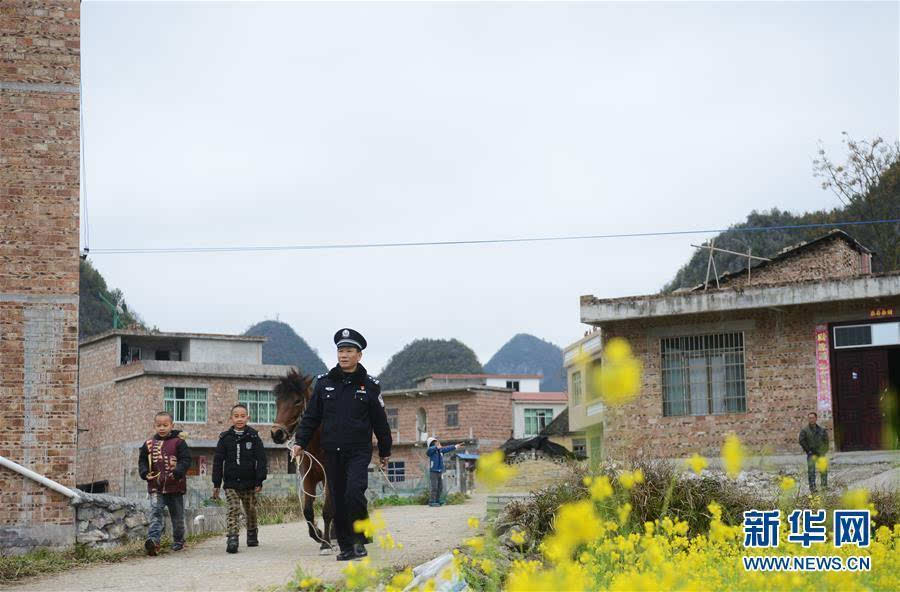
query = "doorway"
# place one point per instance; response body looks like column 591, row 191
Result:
column 867, row 382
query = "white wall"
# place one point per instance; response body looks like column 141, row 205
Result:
column 519, row 414
column 221, row 351
column 526, row 385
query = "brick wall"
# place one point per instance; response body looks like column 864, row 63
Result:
column 117, row 414
column 39, row 202
column 828, row 259
column 779, row 350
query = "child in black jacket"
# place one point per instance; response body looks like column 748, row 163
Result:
column 241, row 460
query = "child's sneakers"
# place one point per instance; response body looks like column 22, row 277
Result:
column 152, row 547
column 252, row 540
column 231, row 546
column 178, row 546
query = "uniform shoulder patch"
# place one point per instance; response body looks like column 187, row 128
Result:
column 373, row 379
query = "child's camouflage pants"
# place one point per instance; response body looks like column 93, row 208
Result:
column 236, row 498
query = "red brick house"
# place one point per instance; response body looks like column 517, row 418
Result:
column 812, row 329
column 126, row 377
column 476, row 414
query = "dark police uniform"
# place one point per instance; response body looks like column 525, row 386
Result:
column 349, row 408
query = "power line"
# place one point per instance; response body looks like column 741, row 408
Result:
column 323, row 247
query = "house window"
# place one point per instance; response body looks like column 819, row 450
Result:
column 513, row 384
column 579, row 447
column 576, row 387
column 187, row 405
column 260, row 405
column 396, row 471
column 703, row 374
column 452, row 412
column 536, row 420
column 391, row 417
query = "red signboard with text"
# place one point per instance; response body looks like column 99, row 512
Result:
column 823, row 373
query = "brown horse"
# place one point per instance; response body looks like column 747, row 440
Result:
column 292, row 394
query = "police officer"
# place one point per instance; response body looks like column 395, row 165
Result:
column 347, row 403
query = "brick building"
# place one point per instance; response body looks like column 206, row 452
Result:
column 812, row 329
column 126, row 377
column 476, row 414
column 39, row 202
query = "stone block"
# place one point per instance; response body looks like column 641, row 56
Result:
column 92, row 536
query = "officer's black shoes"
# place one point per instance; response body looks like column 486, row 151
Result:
column 346, row 555
column 232, row 545
column 252, row 540
column 152, row 547
column 360, row 550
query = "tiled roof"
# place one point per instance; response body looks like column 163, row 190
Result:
column 541, row 397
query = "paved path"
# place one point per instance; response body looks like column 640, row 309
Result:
column 425, row 532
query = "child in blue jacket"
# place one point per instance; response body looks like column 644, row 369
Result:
column 436, row 454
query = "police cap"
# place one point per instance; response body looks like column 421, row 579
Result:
column 346, row 336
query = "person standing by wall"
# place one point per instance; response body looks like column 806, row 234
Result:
column 814, row 441
column 436, row 473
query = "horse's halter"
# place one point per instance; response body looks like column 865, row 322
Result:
column 289, row 431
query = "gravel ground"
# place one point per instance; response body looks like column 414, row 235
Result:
column 425, row 533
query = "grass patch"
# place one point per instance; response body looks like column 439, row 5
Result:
column 41, row 562
column 420, row 499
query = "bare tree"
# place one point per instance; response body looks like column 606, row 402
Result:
column 868, row 184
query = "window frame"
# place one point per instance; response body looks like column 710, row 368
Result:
column 174, row 400
column 253, row 406
column 537, row 417
column 396, row 471
column 577, row 387
column 514, row 385
column 393, row 417
column 448, row 414
column 703, row 374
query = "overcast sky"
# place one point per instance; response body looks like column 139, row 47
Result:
column 220, row 124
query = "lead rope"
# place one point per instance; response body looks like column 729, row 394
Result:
column 302, row 492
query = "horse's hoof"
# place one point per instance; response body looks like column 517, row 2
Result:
column 324, row 551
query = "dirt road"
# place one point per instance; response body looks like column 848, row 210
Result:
column 425, row 533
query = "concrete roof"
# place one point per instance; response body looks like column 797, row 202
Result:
column 167, row 335
column 201, row 369
column 594, row 310
column 465, row 376
column 543, row 397
column 422, row 392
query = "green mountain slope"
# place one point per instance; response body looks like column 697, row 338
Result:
column 428, row 356
column 284, row 346
column 95, row 316
column 527, row 354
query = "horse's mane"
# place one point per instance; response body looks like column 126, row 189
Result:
column 293, row 384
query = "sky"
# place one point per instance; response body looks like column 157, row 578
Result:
column 246, row 124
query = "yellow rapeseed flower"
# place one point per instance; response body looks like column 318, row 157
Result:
column 476, row 544
column 402, row 579
column 492, row 471
column 473, row 522
column 487, row 566
column 360, row 575
column 428, row 586
column 787, row 483
column 371, row 525
column 624, row 511
column 732, row 455
column 855, row 499
column 517, row 537
column 601, row 488
column 618, row 378
column 696, row 463
column 822, row 464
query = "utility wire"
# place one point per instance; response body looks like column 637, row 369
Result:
column 322, row 247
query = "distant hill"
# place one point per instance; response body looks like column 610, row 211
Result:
column 527, row 354
column 428, row 356
column 284, row 346
column 94, row 316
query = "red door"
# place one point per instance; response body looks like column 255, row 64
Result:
column 861, row 377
